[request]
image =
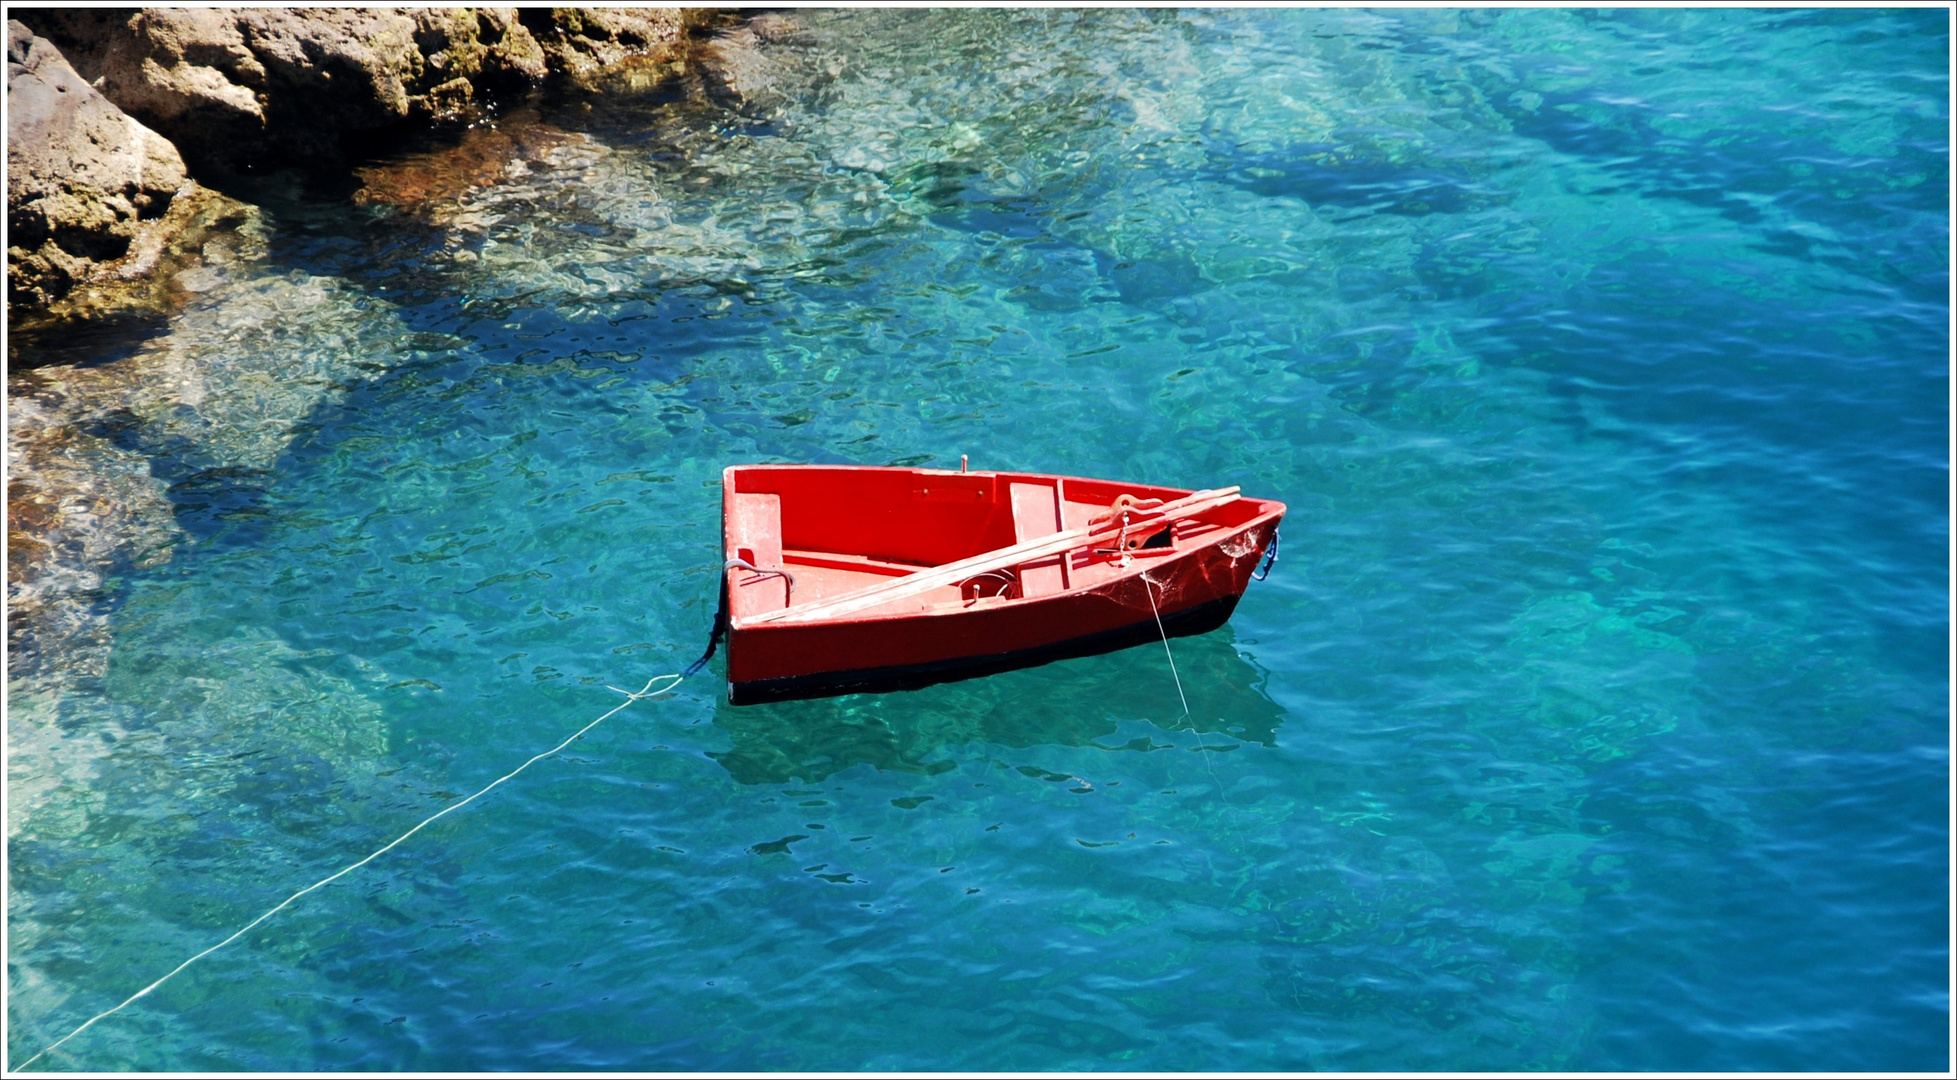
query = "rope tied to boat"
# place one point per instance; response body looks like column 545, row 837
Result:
column 713, row 638
column 1148, row 587
column 1270, row 557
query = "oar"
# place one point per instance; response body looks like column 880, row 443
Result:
column 951, row 573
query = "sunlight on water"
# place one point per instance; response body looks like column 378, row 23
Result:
column 1594, row 717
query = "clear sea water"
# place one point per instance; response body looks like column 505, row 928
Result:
column 1595, row 716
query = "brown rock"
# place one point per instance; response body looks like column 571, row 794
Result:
column 234, row 88
column 144, row 281
column 188, row 73
column 243, row 87
column 481, row 158
column 78, row 509
column 485, row 46
column 83, row 178
column 584, row 44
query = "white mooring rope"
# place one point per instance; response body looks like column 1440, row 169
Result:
column 630, row 697
column 1201, row 747
column 1165, row 648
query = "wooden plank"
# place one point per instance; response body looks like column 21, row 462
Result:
column 952, row 573
column 1066, row 561
column 1036, row 515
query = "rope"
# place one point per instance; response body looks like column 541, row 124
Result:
column 1202, row 747
column 713, row 639
column 630, row 697
column 1165, row 646
column 1270, row 558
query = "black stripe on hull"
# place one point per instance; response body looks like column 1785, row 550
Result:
column 1200, row 619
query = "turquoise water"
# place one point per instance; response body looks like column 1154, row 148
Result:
column 1595, row 715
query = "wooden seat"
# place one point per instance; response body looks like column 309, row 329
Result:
column 1035, row 514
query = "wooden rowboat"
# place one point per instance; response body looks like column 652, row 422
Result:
column 848, row 579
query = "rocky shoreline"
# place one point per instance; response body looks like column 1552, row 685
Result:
column 126, row 126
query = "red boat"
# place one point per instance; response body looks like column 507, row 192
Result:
column 848, row 579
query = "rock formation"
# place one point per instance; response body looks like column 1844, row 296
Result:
column 240, row 88
column 237, row 89
column 215, row 93
column 83, row 179
column 583, row 44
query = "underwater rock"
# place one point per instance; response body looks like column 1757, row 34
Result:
column 79, row 510
column 112, row 465
column 764, row 62
column 86, row 184
column 483, row 157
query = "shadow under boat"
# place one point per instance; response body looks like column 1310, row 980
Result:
column 1076, row 702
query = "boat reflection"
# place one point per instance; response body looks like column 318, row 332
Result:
column 1071, row 703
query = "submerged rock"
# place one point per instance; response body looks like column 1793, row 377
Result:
column 80, row 510
column 104, row 457
column 481, row 158
column 764, row 62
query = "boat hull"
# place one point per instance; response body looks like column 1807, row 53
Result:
column 1111, row 601
column 1200, row 619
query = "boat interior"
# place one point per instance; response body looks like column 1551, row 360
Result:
column 797, row 535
